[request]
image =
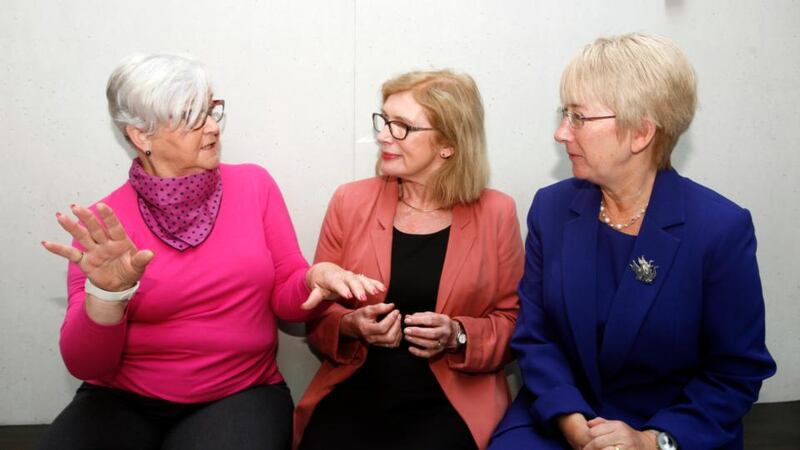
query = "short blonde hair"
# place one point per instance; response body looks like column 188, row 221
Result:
column 639, row 77
column 452, row 104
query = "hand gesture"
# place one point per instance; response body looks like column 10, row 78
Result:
column 110, row 260
column 431, row 333
column 365, row 323
column 328, row 281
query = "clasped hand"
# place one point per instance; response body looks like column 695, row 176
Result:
column 603, row 434
column 380, row 325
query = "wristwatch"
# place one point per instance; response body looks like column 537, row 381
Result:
column 461, row 336
column 109, row 296
column 665, row 441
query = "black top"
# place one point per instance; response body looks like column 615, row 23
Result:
column 393, row 401
column 417, row 261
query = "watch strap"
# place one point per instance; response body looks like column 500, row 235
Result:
column 460, row 337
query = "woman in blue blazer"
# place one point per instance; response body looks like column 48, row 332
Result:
column 642, row 318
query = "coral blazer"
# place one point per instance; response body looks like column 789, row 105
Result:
column 482, row 267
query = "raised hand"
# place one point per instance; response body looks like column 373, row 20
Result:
column 110, row 260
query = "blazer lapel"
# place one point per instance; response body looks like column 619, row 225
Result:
column 462, row 237
column 579, row 272
column 381, row 232
column 634, row 297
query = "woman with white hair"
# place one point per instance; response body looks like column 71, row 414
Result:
column 177, row 279
column 641, row 319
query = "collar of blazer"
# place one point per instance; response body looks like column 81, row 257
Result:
column 462, row 236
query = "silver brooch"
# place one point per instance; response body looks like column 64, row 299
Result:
column 645, row 270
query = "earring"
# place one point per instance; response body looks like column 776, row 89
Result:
column 443, row 155
column 148, row 152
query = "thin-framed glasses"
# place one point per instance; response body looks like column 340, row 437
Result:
column 216, row 110
column 398, row 129
column 576, row 120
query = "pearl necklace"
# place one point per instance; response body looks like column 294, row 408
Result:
column 618, row 226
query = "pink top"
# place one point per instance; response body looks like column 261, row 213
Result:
column 202, row 325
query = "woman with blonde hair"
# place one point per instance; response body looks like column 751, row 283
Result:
column 421, row 366
column 641, row 314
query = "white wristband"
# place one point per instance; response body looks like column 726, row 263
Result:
column 109, row 296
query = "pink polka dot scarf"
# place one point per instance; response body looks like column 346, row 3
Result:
column 180, row 211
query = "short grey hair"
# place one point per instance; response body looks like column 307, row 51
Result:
column 148, row 91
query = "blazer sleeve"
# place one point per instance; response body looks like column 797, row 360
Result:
column 735, row 358
column 488, row 337
column 546, row 370
column 324, row 332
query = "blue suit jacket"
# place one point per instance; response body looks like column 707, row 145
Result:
column 684, row 354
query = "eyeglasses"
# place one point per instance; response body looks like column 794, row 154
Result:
column 216, row 110
column 398, row 129
column 576, row 120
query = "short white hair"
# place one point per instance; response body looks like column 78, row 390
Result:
column 148, row 91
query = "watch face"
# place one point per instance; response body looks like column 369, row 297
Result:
column 461, row 338
column 665, row 442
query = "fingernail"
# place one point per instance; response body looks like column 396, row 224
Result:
column 58, row 214
column 43, row 242
column 72, row 205
column 362, row 297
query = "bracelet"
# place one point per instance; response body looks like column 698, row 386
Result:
column 109, row 296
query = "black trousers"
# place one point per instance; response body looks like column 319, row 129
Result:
column 102, row 418
column 403, row 409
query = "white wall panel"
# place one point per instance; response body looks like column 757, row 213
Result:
column 301, row 78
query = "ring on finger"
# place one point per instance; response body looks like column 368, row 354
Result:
column 616, row 447
column 80, row 258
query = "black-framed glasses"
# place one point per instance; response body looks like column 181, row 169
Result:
column 576, row 120
column 216, row 110
column 398, row 129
